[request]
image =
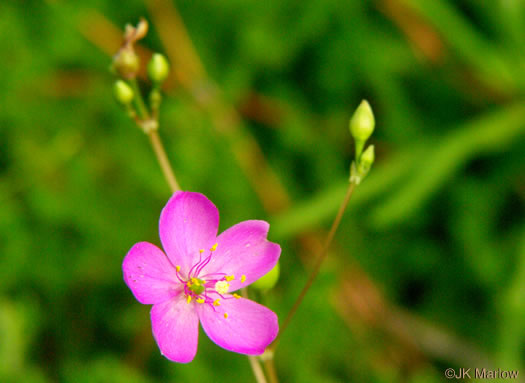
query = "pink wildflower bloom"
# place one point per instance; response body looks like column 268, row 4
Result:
column 193, row 282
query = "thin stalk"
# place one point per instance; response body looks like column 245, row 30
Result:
column 270, row 370
column 164, row 163
column 153, row 135
column 320, row 259
column 257, row 370
column 139, row 102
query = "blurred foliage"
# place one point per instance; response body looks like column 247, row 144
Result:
column 435, row 236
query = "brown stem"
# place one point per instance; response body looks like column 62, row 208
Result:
column 164, row 163
column 320, row 259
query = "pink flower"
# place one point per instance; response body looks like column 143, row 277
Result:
column 193, row 282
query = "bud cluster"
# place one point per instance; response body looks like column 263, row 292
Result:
column 361, row 128
column 126, row 65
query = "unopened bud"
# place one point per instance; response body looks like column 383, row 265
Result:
column 126, row 63
column 123, row 92
column 362, row 122
column 158, row 68
column 367, row 159
column 269, row 280
column 362, row 126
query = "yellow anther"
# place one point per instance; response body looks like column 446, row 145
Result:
column 214, row 247
column 188, row 299
column 177, row 268
column 243, row 278
column 225, row 315
column 188, row 284
column 229, row 277
column 236, row 296
column 200, row 300
column 216, row 302
column 195, row 281
column 201, row 251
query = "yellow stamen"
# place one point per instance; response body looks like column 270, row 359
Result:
column 225, row 315
column 229, row 277
column 188, row 299
column 195, row 281
column 201, row 251
column 236, row 296
column 200, row 300
column 177, row 268
column 188, row 284
column 243, row 278
column 216, row 302
column 214, row 247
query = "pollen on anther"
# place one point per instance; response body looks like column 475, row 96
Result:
column 236, row 296
column 201, row 251
column 216, row 302
column 188, row 299
column 177, row 268
column 214, row 247
column 225, row 315
column 243, row 278
column 229, row 277
column 200, row 300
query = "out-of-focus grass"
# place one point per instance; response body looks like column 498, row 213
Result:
column 435, row 232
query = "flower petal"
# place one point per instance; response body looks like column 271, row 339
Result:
column 248, row 327
column 188, row 223
column 149, row 274
column 176, row 329
column 244, row 250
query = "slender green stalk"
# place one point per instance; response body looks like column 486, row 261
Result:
column 139, row 102
column 257, row 370
column 149, row 124
column 317, row 267
column 270, row 370
column 162, row 157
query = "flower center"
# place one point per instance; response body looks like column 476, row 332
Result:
column 210, row 290
column 196, row 285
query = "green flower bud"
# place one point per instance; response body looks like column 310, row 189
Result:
column 358, row 172
column 269, row 280
column 123, row 92
column 367, row 159
column 126, row 63
column 158, row 68
column 362, row 122
column 362, row 126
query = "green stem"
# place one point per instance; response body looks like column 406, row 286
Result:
column 317, row 267
column 153, row 135
column 270, row 370
column 162, row 157
column 257, row 370
column 139, row 101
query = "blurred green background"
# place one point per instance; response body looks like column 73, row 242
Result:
column 428, row 268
